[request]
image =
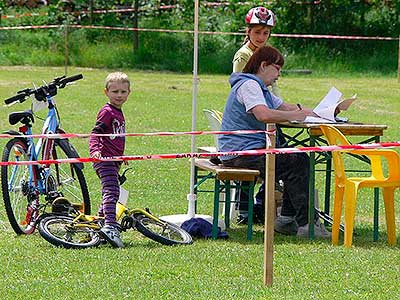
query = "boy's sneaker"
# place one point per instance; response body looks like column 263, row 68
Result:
column 112, row 235
column 319, row 231
column 286, row 225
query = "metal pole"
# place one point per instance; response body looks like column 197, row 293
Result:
column 192, row 196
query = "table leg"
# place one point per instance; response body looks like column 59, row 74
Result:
column 196, row 174
column 376, row 214
column 250, row 211
column 311, row 210
column 214, row 233
column 327, row 185
column 376, row 206
column 227, row 202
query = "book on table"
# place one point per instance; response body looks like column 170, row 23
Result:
column 329, row 107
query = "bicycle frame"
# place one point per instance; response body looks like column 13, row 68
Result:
column 50, row 126
column 91, row 221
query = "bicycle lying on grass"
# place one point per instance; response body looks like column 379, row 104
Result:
column 22, row 185
column 70, row 228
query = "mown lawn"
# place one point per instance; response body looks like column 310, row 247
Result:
column 224, row 269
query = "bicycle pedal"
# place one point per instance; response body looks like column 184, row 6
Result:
column 127, row 222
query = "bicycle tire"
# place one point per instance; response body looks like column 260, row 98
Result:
column 162, row 232
column 66, row 174
column 55, row 230
column 14, row 185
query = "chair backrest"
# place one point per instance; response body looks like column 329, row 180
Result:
column 335, row 137
column 214, row 118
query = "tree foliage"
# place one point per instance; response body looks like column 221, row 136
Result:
column 327, row 17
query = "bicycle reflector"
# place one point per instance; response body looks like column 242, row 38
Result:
column 17, row 153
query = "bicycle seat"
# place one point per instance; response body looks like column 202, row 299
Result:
column 25, row 117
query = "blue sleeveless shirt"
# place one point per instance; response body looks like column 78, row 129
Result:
column 235, row 117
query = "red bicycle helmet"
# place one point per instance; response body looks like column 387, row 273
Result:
column 260, row 15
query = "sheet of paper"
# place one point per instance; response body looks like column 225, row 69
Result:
column 310, row 119
column 326, row 109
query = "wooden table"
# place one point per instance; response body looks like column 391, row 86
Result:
column 310, row 134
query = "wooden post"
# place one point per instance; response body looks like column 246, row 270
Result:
column 270, row 211
column 398, row 64
column 135, row 25
column 91, row 12
column 66, row 48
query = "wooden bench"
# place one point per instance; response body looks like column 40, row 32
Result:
column 225, row 178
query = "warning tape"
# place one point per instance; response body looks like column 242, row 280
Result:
column 162, row 133
column 209, row 154
column 23, row 15
column 340, row 37
column 30, row 27
column 102, row 11
column 279, row 35
column 123, row 10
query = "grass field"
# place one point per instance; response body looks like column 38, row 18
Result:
column 228, row 269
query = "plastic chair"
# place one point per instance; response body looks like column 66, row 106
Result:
column 347, row 187
column 214, row 118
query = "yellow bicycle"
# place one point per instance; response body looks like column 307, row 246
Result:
column 77, row 230
column 69, row 227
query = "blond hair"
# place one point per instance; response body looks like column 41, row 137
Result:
column 117, row 77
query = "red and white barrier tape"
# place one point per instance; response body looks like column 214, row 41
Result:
column 209, row 154
column 31, row 27
column 101, row 11
column 23, row 15
column 163, row 133
column 337, row 37
column 279, row 35
column 123, row 10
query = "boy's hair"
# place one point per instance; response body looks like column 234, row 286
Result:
column 117, row 77
column 268, row 54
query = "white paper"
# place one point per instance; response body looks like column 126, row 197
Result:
column 325, row 110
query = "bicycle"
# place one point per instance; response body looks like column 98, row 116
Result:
column 68, row 227
column 22, row 185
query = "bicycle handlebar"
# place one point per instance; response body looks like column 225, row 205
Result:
column 47, row 89
column 15, row 98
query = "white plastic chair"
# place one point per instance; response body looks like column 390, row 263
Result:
column 214, row 118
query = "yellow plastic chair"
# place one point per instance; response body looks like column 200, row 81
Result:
column 347, row 187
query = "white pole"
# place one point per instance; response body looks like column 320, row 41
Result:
column 191, row 196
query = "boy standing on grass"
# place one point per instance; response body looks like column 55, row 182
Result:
column 110, row 120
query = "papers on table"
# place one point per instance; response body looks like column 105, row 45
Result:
column 329, row 107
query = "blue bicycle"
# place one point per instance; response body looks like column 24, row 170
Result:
column 29, row 190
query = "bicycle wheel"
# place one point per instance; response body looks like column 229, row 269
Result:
column 162, row 232
column 60, row 231
column 20, row 200
column 69, row 178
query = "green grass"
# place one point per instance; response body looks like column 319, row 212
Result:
column 231, row 269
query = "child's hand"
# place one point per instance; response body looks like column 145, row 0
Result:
column 96, row 154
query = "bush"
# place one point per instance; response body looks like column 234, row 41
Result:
column 174, row 51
